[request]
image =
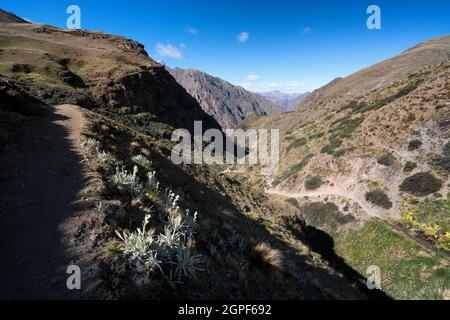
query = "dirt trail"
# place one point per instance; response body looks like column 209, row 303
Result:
column 314, row 194
column 41, row 175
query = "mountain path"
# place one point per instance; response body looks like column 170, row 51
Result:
column 41, row 176
column 314, row 194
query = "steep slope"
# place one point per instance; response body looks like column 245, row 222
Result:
column 372, row 146
column 227, row 103
column 386, row 72
column 286, row 101
column 96, row 70
column 342, row 136
column 8, row 17
column 235, row 246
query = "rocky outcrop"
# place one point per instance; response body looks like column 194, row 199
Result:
column 228, row 104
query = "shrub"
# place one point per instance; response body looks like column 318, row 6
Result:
column 92, row 145
column 421, row 184
column 346, row 127
column 106, row 158
column 333, row 144
column 409, row 166
column 293, row 202
column 152, row 183
column 141, row 245
column 187, row 264
column 298, row 143
column 141, row 160
column 169, row 252
column 128, row 181
column 313, row 183
column 293, row 170
column 316, row 136
column 379, row 198
column 443, row 162
column 446, row 150
column 101, row 207
column 414, row 144
column 266, row 258
column 386, row 159
column 410, row 118
column 339, row 153
column 430, row 218
column 21, row 68
column 325, row 216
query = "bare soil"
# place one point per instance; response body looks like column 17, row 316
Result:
column 41, row 176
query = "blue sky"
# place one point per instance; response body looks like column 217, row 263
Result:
column 292, row 46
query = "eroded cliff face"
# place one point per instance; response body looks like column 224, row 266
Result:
column 228, row 104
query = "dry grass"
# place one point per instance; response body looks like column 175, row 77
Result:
column 267, row 258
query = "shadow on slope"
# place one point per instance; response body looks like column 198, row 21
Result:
column 41, row 177
column 227, row 236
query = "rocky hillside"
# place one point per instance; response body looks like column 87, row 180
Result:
column 373, row 149
column 9, row 17
column 286, row 101
column 140, row 226
column 386, row 72
column 341, row 134
column 228, row 104
column 94, row 70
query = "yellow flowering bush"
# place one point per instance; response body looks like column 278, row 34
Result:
column 430, row 218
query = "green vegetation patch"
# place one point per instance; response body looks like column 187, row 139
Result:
column 326, row 216
column 386, row 159
column 408, row 270
column 346, row 126
column 444, row 160
column 316, row 136
column 293, row 202
column 331, row 147
column 339, row 153
column 297, row 143
column 409, row 166
column 379, row 198
column 363, row 107
column 414, row 144
column 421, row 184
column 293, row 170
column 446, row 151
column 313, row 183
column 22, row 68
column 431, row 219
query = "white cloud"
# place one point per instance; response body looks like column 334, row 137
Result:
column 28, row 20
column 252, row 77
column 307, row 29
column 193, row 31
column 243, row 37
column 167, row 50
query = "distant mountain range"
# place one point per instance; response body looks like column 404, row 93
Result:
column 286, row 101
column 228, row 104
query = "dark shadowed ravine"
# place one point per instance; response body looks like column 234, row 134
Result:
column 41, row 176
